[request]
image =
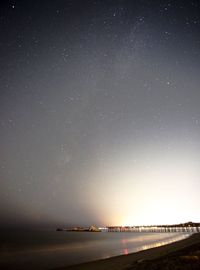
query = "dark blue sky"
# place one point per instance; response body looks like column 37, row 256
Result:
column 99, row 112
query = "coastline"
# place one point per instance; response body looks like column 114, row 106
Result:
column 143, row 258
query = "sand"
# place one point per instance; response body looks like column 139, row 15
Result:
column 184, row 254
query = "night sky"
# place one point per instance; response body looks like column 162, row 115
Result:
column 99, row 112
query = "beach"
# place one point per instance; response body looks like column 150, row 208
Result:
column 183, row 254
column 51, row 249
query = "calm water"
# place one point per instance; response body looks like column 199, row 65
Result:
column 49, row 249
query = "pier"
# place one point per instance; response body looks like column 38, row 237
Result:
column 186, row 227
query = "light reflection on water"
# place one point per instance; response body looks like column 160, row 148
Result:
column 86, row 247
column 162, row 243
column 126, row 250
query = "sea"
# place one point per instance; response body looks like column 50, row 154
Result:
column 51, row 249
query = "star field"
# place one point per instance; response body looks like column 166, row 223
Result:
column 99, row 112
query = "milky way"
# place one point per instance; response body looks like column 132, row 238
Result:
column 99, row 112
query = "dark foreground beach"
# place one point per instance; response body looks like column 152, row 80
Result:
column 183, row 255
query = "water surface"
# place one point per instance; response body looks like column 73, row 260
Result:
column 49, row 249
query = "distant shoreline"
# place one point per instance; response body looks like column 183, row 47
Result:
column 71, row 230
column 92, row 228
column 134, row 260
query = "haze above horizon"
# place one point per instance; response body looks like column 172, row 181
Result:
column 99, row 112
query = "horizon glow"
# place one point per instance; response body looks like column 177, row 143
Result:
column 99, row 113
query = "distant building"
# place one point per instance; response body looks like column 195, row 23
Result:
column 94, row 228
